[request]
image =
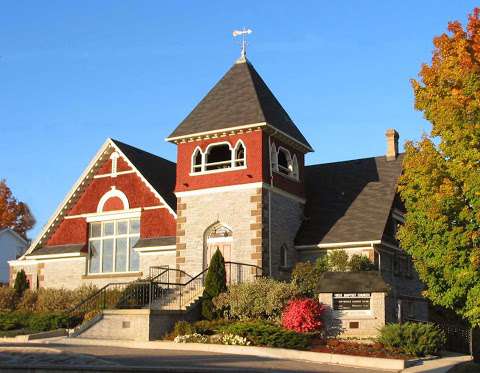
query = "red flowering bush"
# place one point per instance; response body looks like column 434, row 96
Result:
column 303, row 315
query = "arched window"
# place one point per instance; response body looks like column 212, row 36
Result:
column 218, row 156
column 274, row 157
column 295, row 171
column 240, row 156
column 284, row 161
column 197, row 160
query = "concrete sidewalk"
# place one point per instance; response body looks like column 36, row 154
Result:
column 442, row 365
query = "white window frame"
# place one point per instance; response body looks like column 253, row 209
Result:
column 114, row 192
column 114, row 157
column 202, row 161
column 273, row 158
column 292, row 171
column 114, row 237
column 232, row 161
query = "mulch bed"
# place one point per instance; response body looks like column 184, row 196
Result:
column 335, row 346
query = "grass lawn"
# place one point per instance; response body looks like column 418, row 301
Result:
column 466, row 368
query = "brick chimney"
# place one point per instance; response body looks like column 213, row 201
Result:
column 392, row 144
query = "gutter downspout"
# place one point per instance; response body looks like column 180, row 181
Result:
column 379, row 258
column 270, row 204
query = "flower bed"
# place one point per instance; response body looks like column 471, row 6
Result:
column 335, row 346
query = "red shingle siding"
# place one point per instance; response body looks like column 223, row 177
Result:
column 137, row 193
column 253, row 173
column 70, row 231
column 157, row 223
column 112, row 204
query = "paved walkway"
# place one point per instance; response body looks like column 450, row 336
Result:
column 116, row 359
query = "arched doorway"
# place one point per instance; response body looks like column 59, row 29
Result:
column 218, row 237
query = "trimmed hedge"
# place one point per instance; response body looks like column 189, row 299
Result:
column 32, row 322
column 412, row 338
column 264, row 334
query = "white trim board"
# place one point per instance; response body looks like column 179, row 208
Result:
column 233, row 188
column 338, row 244
column 222, row 130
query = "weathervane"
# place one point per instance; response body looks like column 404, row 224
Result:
column 244, row 32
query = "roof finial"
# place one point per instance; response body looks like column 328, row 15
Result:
column 244, row 32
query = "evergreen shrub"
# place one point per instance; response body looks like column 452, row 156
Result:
column 412, row 338
column 215, row 284
column 263, row 298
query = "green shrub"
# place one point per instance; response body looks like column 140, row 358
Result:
column 28, row 302
column 412, row 338
column 338, row 261
column 8, row 298
column 215, row 284
column 21, row 283
column 359, row 263
column 210, row 327
column 306, row 275
column 13, row 320
column 183, row 328
column 48, row 321
column 263, row 298
column 265, row 334
column 58, row 300
column 32, row 322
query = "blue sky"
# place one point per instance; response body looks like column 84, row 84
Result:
column 73, row 73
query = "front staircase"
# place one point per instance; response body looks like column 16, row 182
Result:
column 149, row 307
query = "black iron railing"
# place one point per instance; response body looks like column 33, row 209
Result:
column 164, row 289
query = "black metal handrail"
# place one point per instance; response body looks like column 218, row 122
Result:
column 158, row 291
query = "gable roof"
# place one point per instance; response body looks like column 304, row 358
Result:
column 156, row 172
column 348, row 201
column 351, row 282
column 240, row 98
column 159, row 172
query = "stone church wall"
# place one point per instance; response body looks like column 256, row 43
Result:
column 238, row 209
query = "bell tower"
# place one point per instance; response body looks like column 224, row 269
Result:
column 239, row 183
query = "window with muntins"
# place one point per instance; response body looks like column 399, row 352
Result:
column 110, row 246
column 219, row 157
column 239, row 155
column 283, row 162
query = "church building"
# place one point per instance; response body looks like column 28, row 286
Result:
column 240, row 184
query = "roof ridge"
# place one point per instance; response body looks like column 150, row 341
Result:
column 140, row 150
column 352, row 160
column 252, row 82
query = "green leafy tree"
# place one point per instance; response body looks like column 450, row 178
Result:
column 440, row 185
column 215, row 283
column 21, row 283
column 358, row 263
column 306, row 275
column 338, row 261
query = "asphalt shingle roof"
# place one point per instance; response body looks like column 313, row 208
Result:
column 240, row 98
column 156, row 241
column 59, row 249
column 351, row 282
column 158, row 171
column 348, row 201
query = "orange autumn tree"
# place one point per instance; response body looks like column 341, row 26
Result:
column 441, row 181
column 13, row 214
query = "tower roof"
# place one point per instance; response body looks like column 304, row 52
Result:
column 239, row 99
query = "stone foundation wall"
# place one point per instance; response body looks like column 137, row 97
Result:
column 72, row 273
